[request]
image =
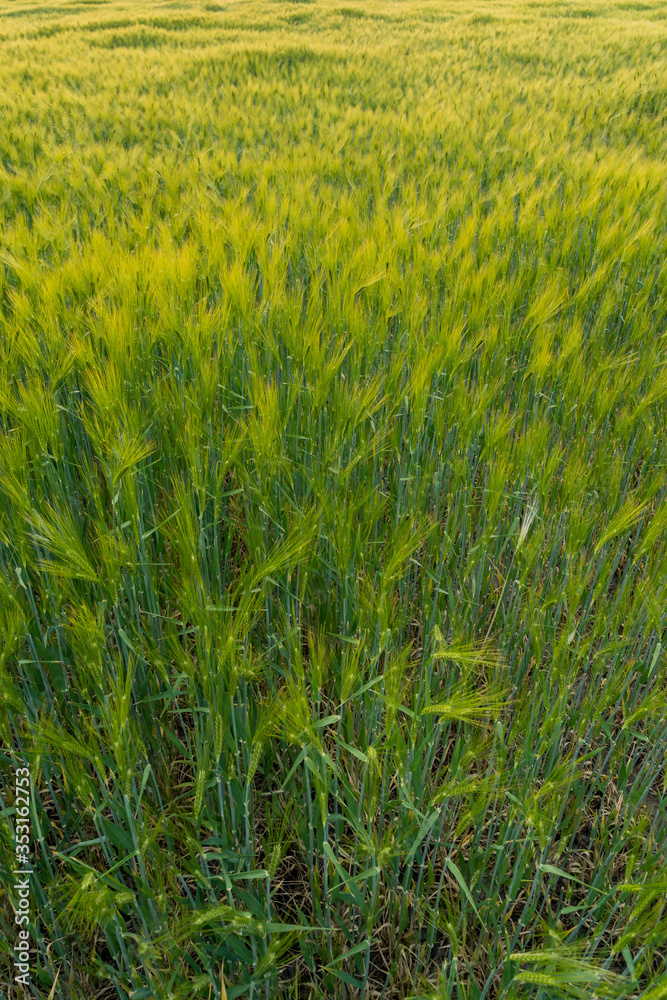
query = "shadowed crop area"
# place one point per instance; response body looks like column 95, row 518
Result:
column 333, row 498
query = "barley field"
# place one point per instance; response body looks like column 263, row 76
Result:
column 333, row 498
